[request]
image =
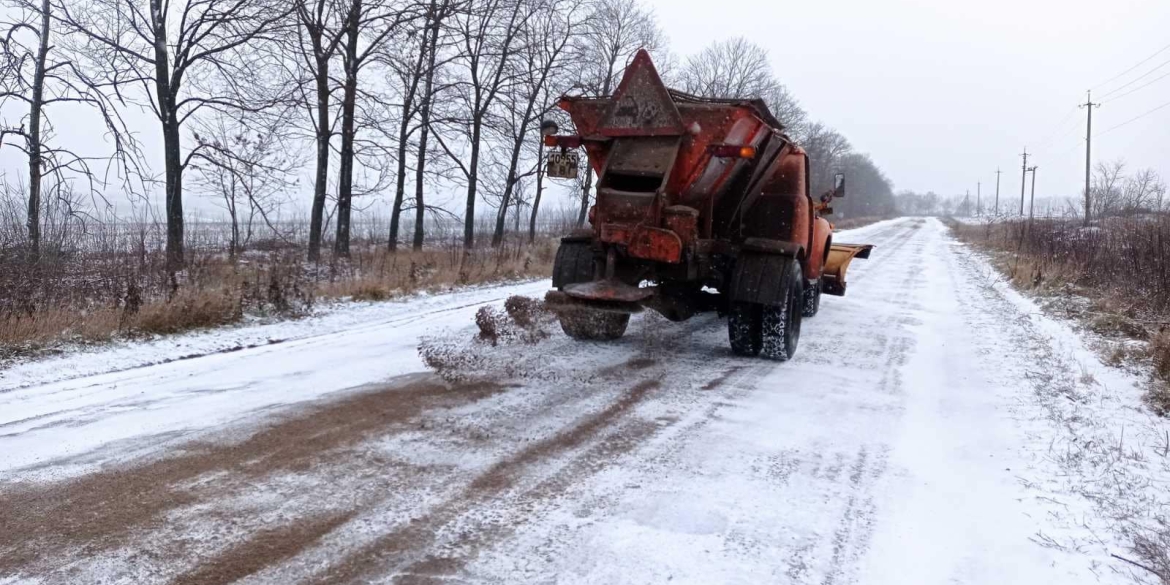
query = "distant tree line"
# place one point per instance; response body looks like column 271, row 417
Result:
column 363, row 98
column 1114, row 191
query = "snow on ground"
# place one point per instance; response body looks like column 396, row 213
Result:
column 933, row 427
column 201, row 380
column 333, row 318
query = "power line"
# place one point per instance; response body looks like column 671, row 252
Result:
column 1061, row 124
column 1137, row 79
column 1140, row 87
column 1134, row 119
column 1142, row 62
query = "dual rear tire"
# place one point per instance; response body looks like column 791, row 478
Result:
column 770, row 331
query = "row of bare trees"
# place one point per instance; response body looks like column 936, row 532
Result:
column 739, row 68
column 1114, row 191
column 407, row 101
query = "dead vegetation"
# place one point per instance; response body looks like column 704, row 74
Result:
column 109, row 286
column 1112, row 277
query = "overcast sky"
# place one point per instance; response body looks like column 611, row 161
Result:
column 941, row 92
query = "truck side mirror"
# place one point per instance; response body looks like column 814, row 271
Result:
column 839, row 185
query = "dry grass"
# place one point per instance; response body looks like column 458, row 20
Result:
column 1113, row 278
column 107, row 294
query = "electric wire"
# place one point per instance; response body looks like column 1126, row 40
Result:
column 1140, row 63
column 1136, row 79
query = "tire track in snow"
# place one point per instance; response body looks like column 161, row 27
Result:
column 845, row 477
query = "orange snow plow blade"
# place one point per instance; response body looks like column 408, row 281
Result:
column 840, row 255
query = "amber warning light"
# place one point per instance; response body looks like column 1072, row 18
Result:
column 733, row 151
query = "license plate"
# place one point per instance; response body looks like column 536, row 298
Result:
column 563, row 165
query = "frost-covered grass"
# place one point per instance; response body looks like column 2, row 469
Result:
column 1113, row 278
column 1114, row 450
column 107, row 289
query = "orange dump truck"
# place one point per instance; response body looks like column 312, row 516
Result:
column 702, row 204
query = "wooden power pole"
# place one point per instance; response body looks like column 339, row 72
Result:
column 1032, row 200
column 1023, row 180
column 997, row 174
column 1088, row 105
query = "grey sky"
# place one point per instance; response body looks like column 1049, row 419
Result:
column 941, row 92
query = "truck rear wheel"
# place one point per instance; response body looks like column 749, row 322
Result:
column 574, row 264
column 769, row 330
column 593, row 325
column 743, row 328
column 812, row 299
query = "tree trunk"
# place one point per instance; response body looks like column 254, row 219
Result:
column 404, row 135
column 400, row 187
column 321, row 181
column 510, row 186
column 585, row 187
column 536, row 197
column 472, row 183
column 348, row 105
column 174, row 189
column 424, row 132
column 166, row 88
column 234, row 246
column 35, row 162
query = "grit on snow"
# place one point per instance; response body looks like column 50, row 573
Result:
column 933, row 428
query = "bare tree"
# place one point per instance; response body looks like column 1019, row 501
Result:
column 415, row 68
column 318, row 34
column 437, row 15
column 185, row 57
column 738, row 68
column 1106, row 192
column 825, row 147
column 368, row 25
column 548, row 28
column 41, row 77
column 247, row 169
column 1143, row 191
column 614, row 31
column 487, row 33
column 870, row 191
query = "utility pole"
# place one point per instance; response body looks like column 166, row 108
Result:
column 1023, row 180
column 997, row 174
column 1088, row 105
column 978, row 199
column 1032, row 200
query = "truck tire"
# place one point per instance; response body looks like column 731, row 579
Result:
column 780, row 329
column 771, row 331
column 812, row 299
column 743, row 328
column 593, row 325
column 573, row 264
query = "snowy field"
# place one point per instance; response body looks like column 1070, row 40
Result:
column 933, row 428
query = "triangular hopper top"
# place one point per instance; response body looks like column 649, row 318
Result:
column 641, row 106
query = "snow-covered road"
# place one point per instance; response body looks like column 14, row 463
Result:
column 907, row 442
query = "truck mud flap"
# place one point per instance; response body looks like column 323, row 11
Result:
column 840, row 255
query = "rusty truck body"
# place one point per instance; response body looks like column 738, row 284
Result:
column 701, row 204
